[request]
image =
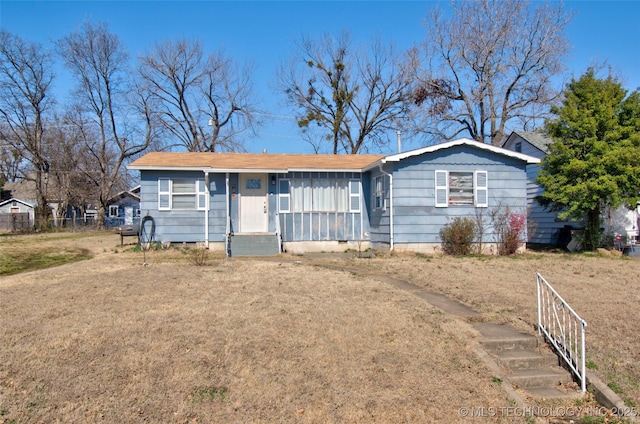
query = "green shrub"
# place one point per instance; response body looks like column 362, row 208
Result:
column 458, row 236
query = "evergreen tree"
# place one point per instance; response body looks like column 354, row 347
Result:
column 594, row 160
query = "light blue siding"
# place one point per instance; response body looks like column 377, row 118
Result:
column 188, row 225
column 184, row 225
column 379, row 219
column 546, row 225
column 417, row 220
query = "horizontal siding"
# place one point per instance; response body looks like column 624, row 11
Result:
column 379, row 219
column 545, row 224
column 417, row 220
column 184, row 226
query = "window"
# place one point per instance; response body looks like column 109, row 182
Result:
column 378, row 192
column 518, row 146
column 319, row 195
column 461, row 188
column 113, row 211
column 253, row 183
column 181, row 194
column 354, row 196
column 285, row 196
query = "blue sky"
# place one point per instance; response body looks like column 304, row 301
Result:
column 264, row 33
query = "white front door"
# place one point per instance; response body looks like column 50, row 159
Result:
column 254, row 208
column 128, row 215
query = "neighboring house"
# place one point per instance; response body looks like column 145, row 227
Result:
column 124, row 208
column 26, row 189
column 548, row 227
column 328, row 202
column 16, row 214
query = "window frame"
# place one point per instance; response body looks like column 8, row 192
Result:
column 480, row 188
column 282, row 195
column 111, row 209
column 350, row 188
column 168, row 193
column 378, row 190
column 354, row 183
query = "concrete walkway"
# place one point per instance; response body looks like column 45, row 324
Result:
column 516, row 358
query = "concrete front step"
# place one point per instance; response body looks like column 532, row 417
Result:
column 539, row 377
column 260, row 244
column 551, row 393
column 529, row 369
column 519, row 359
column 497, row 337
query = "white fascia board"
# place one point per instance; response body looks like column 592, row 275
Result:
column 359, row 170
column 462, row 141
column 166, row 168
column 239, row 170
column 14, row 199
column 204, row 169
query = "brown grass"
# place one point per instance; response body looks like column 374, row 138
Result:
column 279, row 341
column 603, row 289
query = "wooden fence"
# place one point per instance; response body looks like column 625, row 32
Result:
column 15, row 221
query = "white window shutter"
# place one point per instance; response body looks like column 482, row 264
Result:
column 201, row 190
column 442, row 189
column 482, row 192
column 164, row 194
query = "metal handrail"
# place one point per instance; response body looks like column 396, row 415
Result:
column 562, row 327
column 278, row 231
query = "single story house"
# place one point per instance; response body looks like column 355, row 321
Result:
column 548, row 226
column 310, row 202
column 124, row 208
column 16, row 214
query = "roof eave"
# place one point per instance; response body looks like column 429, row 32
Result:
column 459, row 142
column 239, row 170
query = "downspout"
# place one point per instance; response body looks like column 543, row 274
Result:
column 206, row 210
column 391, row 241
column 227, row 230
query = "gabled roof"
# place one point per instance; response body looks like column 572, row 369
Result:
column 537, row 139
column 21, row 189
column 256, row 162
column 13, row 199
column 460, row 142
column 282, row 163
column 133, row 193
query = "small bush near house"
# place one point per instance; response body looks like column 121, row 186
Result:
column 514, row 235
column 511, row 233
column 510, row 229
column 458, row 236
column 199, row 255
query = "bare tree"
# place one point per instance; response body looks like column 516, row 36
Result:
column 26, row 74
column 489, row 65
column 11, row 160
column 205, row 103
column 106, row 118
column 353, row 96
column 67, row 183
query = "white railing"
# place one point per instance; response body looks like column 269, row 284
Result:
column 562, row 327
column 278, row 233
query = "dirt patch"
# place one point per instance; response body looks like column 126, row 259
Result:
column 262, row 341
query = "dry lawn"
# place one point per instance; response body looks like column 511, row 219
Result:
column 603, row 289
column 109, row 340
